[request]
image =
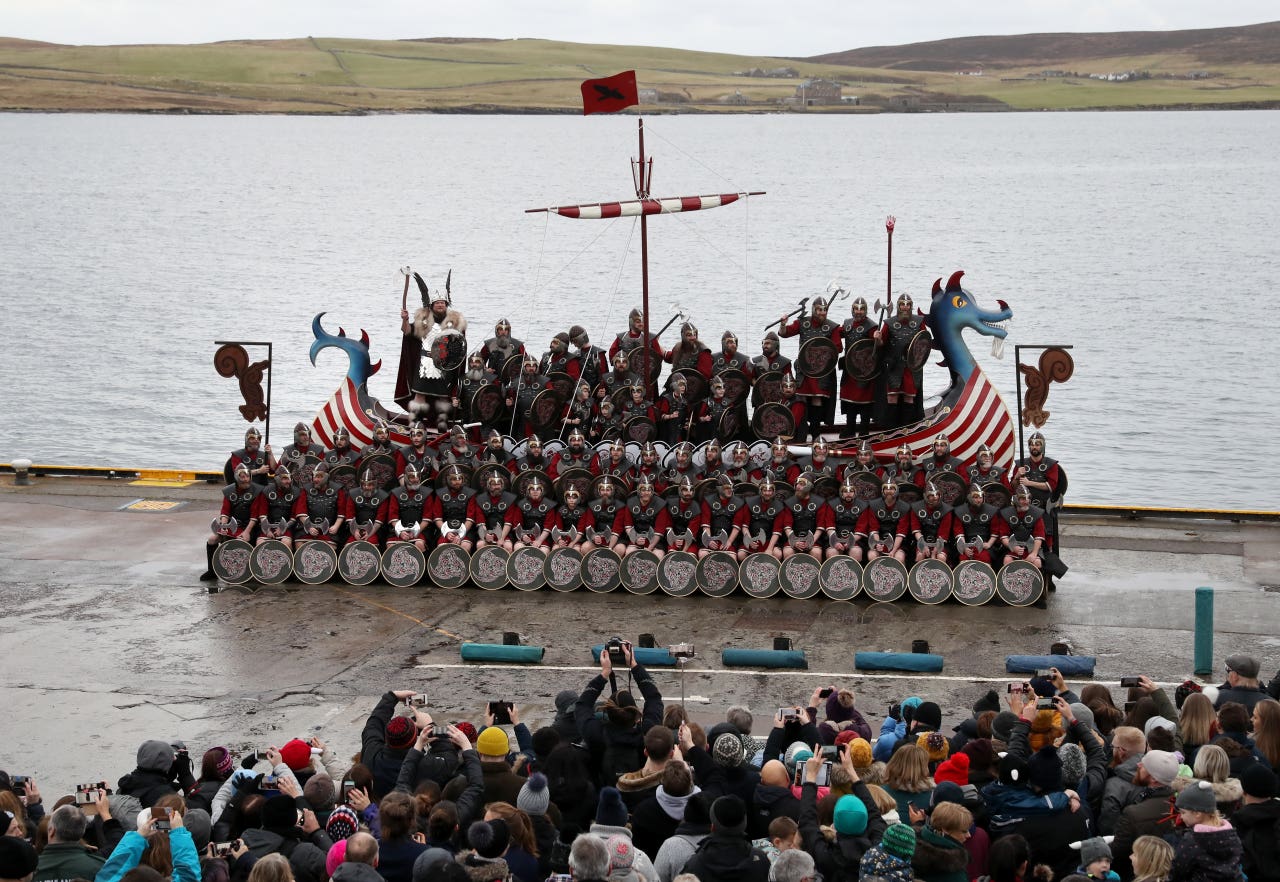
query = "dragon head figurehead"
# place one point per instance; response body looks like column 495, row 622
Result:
column 952, row 310
column 359, row 370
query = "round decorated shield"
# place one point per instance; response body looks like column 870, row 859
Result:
column 930, row 581
column 231, row 561
column 563, row 569
column 918, row 349
column 544, row 412
column 1019, row 583
column 767, row 388
column 841, row 577
column 620, row 397
column 696, row 387
column 730, row 423
column 601, row 570
column 736, row 386
column 304, row 470
column 701, row 490
column 511, row 368
column 449, row 565
column 678, row 573
column 817, row 357
column 343, row 476
column 861, row 361
column 997, row 494
column 867, row 485
column 524, row 568
column 639, row 429
column 639, row 572
column 772, row 420
column 973, row 582
column 799, row 576
column 951, row 486
column 759, row 573
column 717, row 574
column 479, row 479
column 487, row 404
column 910, row 493
column 520, row 483
column 383, row 468
column 563, row 384
column 825, row 486
column 884, row 579
column 315, row 562
column 489, row 567
column 272, row 562
column 403, row 565
column 359, row 562
column 578, row 478
column 449, row 350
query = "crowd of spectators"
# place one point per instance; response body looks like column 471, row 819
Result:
column 1035, row 782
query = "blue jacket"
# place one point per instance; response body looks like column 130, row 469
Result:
column 1019, row 802
column 186, row 861
column 891, row 732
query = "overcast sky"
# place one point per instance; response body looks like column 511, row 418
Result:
column 748, row 27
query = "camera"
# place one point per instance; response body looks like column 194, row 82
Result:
column 161, row 820
column 1045, row 704
column 20, row 784
column 830, row 752
column 614, row 648
column 501, row 711
column 682, row 650
column 418, row 701
column 1047, row 673
column 1129, row 682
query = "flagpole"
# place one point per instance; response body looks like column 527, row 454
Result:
column 642, row 192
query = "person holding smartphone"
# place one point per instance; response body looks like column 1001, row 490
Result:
column 858, row 823
column 618, row 739
column 128, row 853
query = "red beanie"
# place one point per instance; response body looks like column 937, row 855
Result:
column 846, row 736
column 401, row 733
column 955, row 769
column 296, row 754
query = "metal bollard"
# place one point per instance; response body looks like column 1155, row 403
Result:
column 1204, row 632
column 21, row 472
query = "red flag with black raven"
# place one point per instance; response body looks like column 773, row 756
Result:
column 610, row 94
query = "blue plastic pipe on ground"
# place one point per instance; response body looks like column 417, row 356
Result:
column 1204, row 631
column 650, row 657
column 497, row 652
column 916, row 662
column 1067, row 665
column 764, row 658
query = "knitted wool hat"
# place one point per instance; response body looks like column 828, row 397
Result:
column 1013, row 771
column 467, row 729
column 1073, row 764
column 728, row 751
column 1094, row 849
column 935, row 744
column 1258, row 781
column 622, row 852
column 850, row 816
column 428, row 861
column 988, row 702
column 1043, row 687
column 1160, row 765
column 796, row 754
column 947, row 791
column 1044, row 770
column 225, row 765
column 489, row 838
column 1084, row 715
column 860, row 753
column 610, row 810
column 296, row 753
column 534, row 798
column 900, row 841
column 343, row 823
column 1186, row 688
column 1198, row 796
column 493, row 742
column 1002, row 726
column 846, row 736
column 17, row 858
column 1046, row 728
column 279, row 813
column 928, row 714
column 729, row 815
column 954, row 769
column 400, row 733
column 200, row 826
column 981, row 754
column 336, row 855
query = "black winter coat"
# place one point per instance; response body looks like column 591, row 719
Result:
column 1259, row 829
column 618, row 749
column 838, row 861
column 1213, row 856
column 726, row 857
column 381, row 760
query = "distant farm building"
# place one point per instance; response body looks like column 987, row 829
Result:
column 817, row 92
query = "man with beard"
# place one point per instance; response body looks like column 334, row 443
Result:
column 623, row 376
column 1019, row 528
column 972, row 527
column 613, row 462
column 672, row 411
column 643, row 521
column 274, row 509
column 295, row 455
column 902, row 384
column 856, row 395
column 423, row 388
column 417, row 454
column 576, row 455
column 648, row 466
column 237, row 503
column 605, row 509
column 475, row 378
column 593, row 361
column 817, row 392
column 632, row 341
column 713, row 465
column 459, row 452
column 885, row 524
column 941, row 460
column 684, row 517
column 903, row 470
column 930, row 516
column 534, row 458
column 729, row 358
column 739, row 465
column 342, row 453
column 322, row 504
column 488, row 511
column 758, row 519
column 841, row 521
column 690, row 353
column 638, row 406
column 252, row 455
column 818, row 464
column 722, row 522
column 770, row 359
column 864, row 460
column 1042, row 476
column 380, row 445
column 558, row 360
column 984, row 469
column 410, row 511
column 367, row 510
column 532, row 517
column 780, row 467
column 681, row 467
column 798, row 521
column 500, row 348
column 495, row 450
column 520, row 394
column 452, row 511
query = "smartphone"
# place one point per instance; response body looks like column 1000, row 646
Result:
column 269, row 783
column 1045, row 704
column 501, row 711
column 824, row 774
column 347, row 786
column 161, row 820
column 1129, row 705
column 418, row 701
column 301, row 818
column 1129, row 682
column 830, row 752
column 1047, row 673
column 825, row 693
column 1017, row 687
column 20, row 784
column 788, row 713
column 222, row 849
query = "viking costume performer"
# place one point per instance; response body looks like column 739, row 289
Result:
column 738, row 468
column 580, row 413
column 685, row 517
column 930, row 519
column 495, row 450
column 558, row 360
column 817, row 464
column 902, row 384
column 707, row 413
column 681, row 467
column 459, row 452
column 1020, row 529
column 770, row 359
column 367, row 510
column 818, row 392
column 575, row 455
column 452, row 510
column 342, row 453
column 237, row 505
column 885, row 524
column 841, row 522
column 253, row 456
column 608, row 422
column 940, row 461
column 864, row 460
column 690, row 353
column 273, row 509
column 631, row 341
column 1045, row 480
column 780, row 467
column 903, row 470
column 488, row 511
column 713, row 464
column 758, row 519
column 572, row 515
column 322, row 504
column 592, row 360
column 723, row 516
column 613, row 462
column 534, row 459
column 798, row 406
column 798, row 522
column 972, row 527
column 643, row 521
column 520, row 394
column 856, row 396
column 621, row 377
column 500, row 348
column 475, row 378
column 605, row 511
column 729, row 358
column 673, row 412
column 639, row 405
column 431, row 354
column 648, row 466
column 380, row 445
column 410, row 511
column 984, row 470
column 532, row 517
column 294, row 455
column 417, row 454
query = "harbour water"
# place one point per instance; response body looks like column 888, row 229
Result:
column 1146, row 241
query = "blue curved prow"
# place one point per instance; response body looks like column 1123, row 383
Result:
column 359, row 369
column 952, row 310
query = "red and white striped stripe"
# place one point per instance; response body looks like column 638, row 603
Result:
column 344, row 409
column 637, row 207
column 979, row 417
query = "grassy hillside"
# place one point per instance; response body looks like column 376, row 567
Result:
column 323, row 75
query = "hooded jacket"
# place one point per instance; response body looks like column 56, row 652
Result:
column 1207, row 855
column 306, row 858
column 1258, row 826
column 1119, row 792
column 769, row 802
column 939, row 858
column 678, row 848
column 838, row 713
column 728, row 857
column 619, row 748
column 382, row 761
column 656, row 818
